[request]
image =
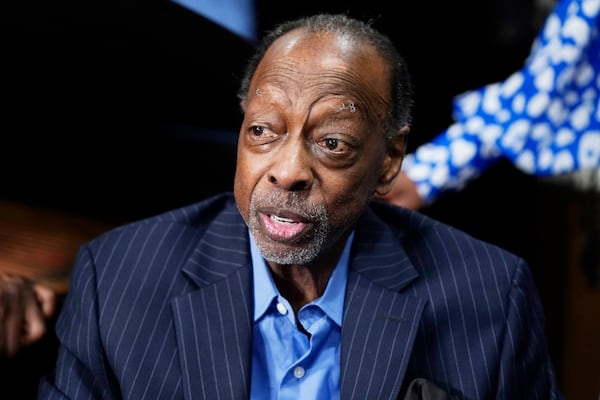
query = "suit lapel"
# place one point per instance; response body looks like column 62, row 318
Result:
column 214, row 336
column 214, row 322
column 380, row 320
column 378, row 333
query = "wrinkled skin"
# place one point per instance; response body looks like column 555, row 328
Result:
column 312, row 153
column 24, row 310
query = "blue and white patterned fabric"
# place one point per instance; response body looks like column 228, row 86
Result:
column 544, row 117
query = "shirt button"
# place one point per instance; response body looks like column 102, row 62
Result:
column 299, row 372
column 281, row 308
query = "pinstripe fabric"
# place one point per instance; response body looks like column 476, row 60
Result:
column 162, row 309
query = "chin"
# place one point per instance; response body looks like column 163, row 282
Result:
column 287, row 254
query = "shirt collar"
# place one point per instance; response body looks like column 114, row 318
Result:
column 332, row 301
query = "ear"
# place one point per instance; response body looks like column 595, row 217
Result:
column 243, row 104
column 392, row 163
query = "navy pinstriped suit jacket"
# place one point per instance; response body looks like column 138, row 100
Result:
column 162, row 309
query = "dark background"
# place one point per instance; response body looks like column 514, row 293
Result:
column 117, row 110
column 124, row 109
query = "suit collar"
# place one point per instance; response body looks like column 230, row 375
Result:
column 222, row 247
column 378, row 253
column 379, row 325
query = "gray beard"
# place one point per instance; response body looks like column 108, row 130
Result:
column 312, row 245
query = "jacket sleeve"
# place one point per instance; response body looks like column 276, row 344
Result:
column 543, row 118
column 526, row 370
column 82, row 370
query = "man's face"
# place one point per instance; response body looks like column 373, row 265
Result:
column 311, row 150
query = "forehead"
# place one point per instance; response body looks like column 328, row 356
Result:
column 324, row 63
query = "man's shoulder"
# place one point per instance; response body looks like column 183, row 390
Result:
column 200, row 213
column 413, row 223
column 446, row 257
column 418, row 231
column 195, row 217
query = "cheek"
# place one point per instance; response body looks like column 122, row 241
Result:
column 241, row 184
column 348, row 195
column 345, row 210
column 359, row 181
column 247, row 176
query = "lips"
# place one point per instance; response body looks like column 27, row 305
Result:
column 283, row 226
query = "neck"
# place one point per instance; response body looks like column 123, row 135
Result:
column 300, row 284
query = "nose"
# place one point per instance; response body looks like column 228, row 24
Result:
column 291, row 168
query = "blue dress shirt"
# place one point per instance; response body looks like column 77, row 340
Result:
column 286, row 363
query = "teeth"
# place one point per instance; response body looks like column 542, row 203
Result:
column 282, row 220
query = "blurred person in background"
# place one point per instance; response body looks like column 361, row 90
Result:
column 544, row 117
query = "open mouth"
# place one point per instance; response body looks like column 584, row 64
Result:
column 283, row 227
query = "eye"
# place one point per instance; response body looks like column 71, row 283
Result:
column 260, row 134
column 257, row 130
column 335, row 146
column 331, row 144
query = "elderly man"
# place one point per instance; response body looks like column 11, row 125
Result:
column 300, row 285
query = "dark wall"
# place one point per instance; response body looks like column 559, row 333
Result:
column 115, row 108
column 103, row 101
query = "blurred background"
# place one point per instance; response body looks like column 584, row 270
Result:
column 117, row 110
